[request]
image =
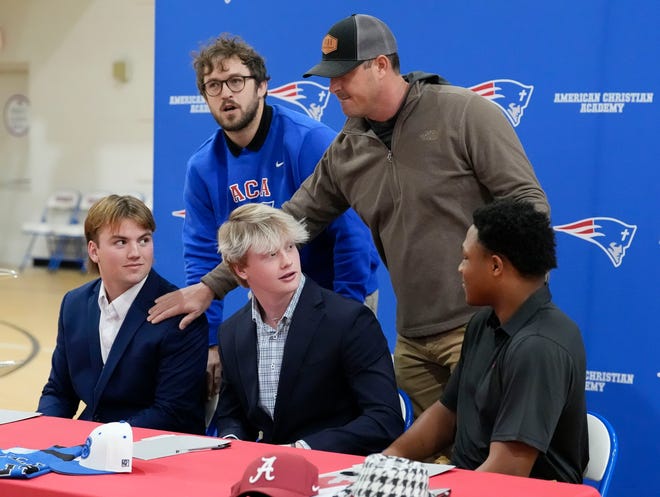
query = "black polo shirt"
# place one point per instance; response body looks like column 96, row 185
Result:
column 523, row 381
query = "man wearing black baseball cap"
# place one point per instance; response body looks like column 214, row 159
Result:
column 350, row 42
column 416, row 156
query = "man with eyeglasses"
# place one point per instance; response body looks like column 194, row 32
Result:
column 261, row 153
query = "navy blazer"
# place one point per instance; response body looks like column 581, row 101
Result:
column 336, row 391
column 154, row 376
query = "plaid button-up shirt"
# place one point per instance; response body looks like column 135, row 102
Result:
column 270, row 350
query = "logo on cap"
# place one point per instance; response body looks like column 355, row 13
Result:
column 266, row 469
column 329, row 44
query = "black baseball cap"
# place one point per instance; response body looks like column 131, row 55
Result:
column 350, row 42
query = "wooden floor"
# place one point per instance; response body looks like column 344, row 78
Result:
column 29, row 307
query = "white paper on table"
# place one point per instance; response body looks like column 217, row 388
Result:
column 171, row 445
column 9, row 416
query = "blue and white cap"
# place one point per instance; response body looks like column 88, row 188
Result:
column 108, row 449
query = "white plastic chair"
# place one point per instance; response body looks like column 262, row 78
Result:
column 60, row 210
column 149, row 202
column 75, row 232
column 138, row 195
column 147, row 199
column 603, row 452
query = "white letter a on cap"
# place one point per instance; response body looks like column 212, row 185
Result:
column 265, row 470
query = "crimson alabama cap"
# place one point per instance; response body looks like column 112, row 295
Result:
column 278, row 475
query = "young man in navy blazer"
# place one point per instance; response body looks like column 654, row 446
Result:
column 107, row 355
column 302, row 365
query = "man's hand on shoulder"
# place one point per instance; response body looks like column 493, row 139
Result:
column 192, row 301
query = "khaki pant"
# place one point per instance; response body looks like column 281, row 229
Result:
column 423, row 365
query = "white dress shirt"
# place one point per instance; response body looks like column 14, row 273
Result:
column 113, row 315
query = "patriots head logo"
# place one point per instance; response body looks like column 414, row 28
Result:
column 180, row 213
column 509, row 95
column 310, row 96
column 611, row 235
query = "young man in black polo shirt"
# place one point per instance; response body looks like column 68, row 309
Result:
column 515, row 403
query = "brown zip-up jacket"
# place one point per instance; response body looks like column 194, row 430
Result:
column 452, row 151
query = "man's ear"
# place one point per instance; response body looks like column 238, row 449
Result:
column 382, row 63
column 262, row 89
column 239, row 269
column 497, row 264
column 92, row 251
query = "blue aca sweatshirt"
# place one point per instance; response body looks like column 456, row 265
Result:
column 220, row 177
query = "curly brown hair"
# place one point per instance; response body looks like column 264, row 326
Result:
column 224, row 47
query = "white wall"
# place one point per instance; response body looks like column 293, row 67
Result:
column 88, row 130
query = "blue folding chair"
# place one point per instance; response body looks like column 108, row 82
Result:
column 406, row 409
column 603, row 452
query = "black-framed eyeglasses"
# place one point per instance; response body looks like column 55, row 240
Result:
column 213, row 87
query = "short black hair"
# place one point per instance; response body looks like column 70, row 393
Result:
column 519, row 232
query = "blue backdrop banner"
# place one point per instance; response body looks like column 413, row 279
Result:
column 577, row 80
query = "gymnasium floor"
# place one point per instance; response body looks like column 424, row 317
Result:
column 29, row 306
